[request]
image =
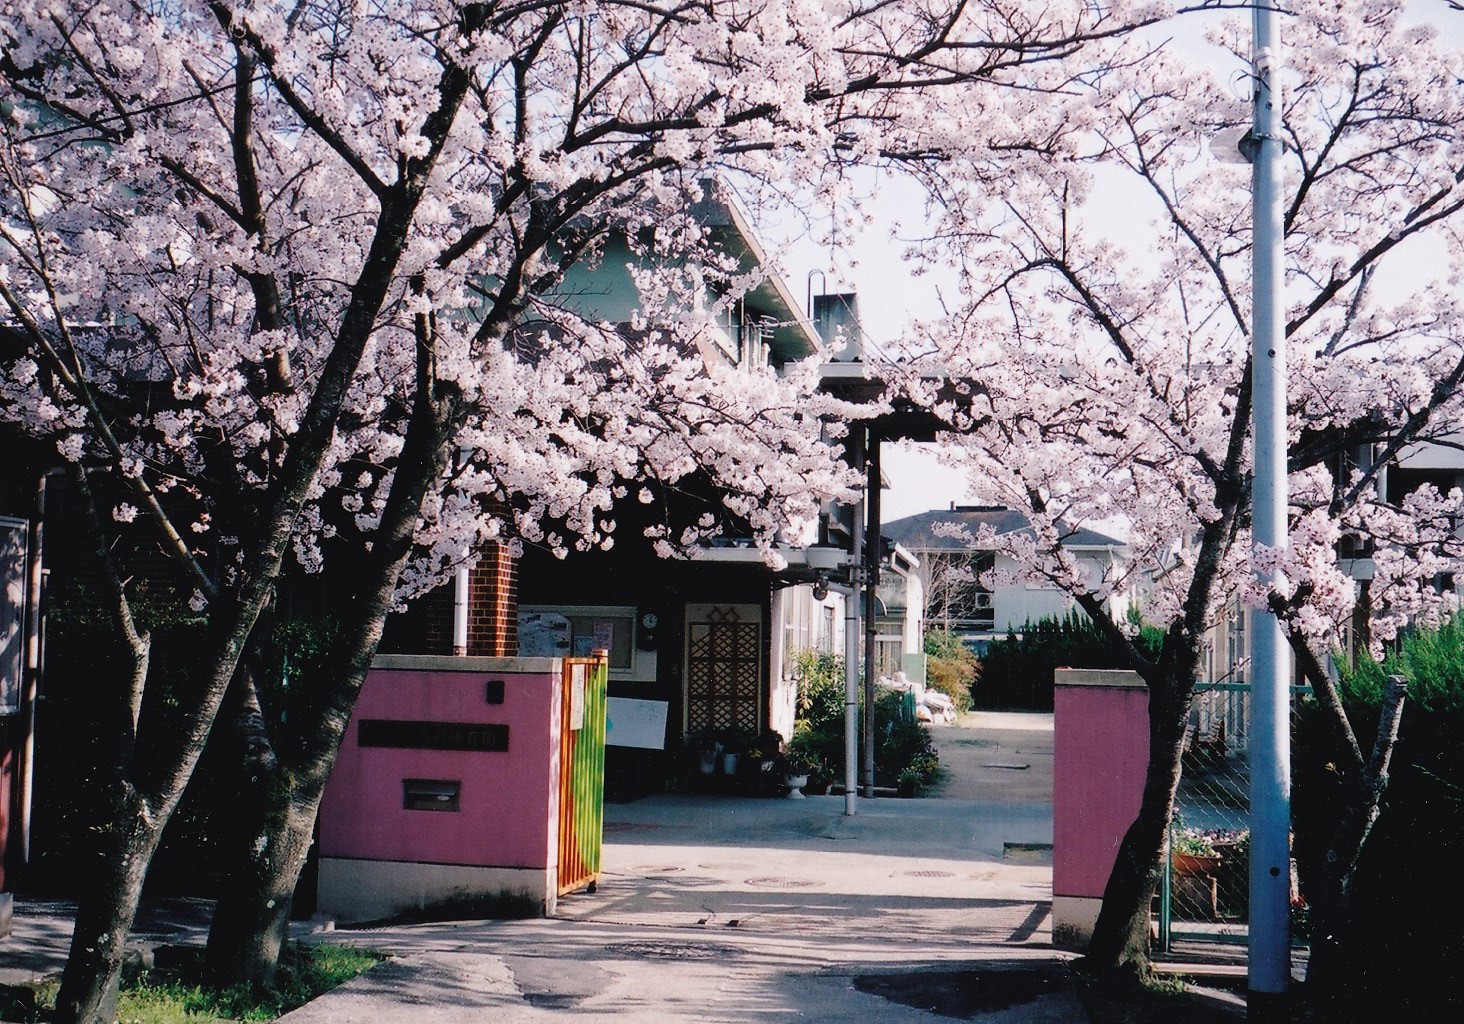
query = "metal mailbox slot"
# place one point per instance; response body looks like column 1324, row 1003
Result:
column 430, row 794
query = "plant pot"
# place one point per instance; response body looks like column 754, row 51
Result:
column 907, row 789
column 729, row 764
column 795, row 784
column 1195, row 864
column 708, row 762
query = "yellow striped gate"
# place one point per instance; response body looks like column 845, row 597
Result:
column 582, row 771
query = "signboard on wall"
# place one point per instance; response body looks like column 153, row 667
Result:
column 560, row 631
column 635, row 723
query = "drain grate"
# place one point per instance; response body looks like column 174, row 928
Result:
column 782, row 883
column 673, row 950
column 929, row 874
column 1032, row 853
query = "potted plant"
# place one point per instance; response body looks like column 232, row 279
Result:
column 734, row 743
column 1192, row 853
column 908, row 781
column 796, row 770
column 708, row 751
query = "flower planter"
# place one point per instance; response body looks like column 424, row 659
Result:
column 795, row 784
column 1192, row 865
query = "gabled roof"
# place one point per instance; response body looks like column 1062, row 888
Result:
column 792, row 336
column 917, row 532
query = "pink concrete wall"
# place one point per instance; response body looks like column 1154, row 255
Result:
column 1101, row 748
column 508, row 808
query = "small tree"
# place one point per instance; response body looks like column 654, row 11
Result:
column 1106, row 371
column 951, row 667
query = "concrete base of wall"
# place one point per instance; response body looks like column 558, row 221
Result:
column 353, row 891
column 1073, row 921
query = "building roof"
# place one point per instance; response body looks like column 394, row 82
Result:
column 917, row 532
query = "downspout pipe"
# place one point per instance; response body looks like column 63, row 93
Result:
column 460, row 588
column 872, row 545
column 31, row 690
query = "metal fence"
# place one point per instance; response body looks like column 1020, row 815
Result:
column 1204, row 892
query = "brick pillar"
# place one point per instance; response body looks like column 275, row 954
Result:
column 493, row 605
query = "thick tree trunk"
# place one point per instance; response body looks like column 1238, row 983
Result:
column 252, row 916
column 105, row 914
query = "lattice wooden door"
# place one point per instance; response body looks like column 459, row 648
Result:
column 723, row 667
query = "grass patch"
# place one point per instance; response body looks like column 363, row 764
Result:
column 174, row 994
column 967, row 742
column 1152, row 999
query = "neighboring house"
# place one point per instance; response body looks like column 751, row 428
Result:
column 957, row 577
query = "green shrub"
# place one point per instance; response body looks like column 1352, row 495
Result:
column 818, row 735
column 950, row 667
column 1418, row 839
column 1016, row 672
column 820, row 687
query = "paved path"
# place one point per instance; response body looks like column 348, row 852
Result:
column 736, row 910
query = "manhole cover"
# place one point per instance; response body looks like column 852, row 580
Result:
column 929, row 874
column 782, row 883
column 673, row 950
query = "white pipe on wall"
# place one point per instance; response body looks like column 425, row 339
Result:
column 460, row 612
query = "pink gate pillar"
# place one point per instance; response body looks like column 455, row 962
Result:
column 1100, row 752
column 445, row 796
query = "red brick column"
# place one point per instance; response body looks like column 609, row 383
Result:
column 493, row 605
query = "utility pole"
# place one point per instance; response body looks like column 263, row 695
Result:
column 1269, row 951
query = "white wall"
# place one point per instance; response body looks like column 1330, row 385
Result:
column 1014, row 606
column 800, row 622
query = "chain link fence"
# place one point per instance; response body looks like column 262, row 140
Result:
column 1204, row 894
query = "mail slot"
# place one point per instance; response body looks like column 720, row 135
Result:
column 430, row 794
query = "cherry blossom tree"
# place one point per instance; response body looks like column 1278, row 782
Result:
column 1101, row 352
column 266, row 270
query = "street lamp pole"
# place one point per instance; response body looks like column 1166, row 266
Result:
column 1269, row 953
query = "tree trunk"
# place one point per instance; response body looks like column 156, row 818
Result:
column 1120, row 940
column 268, row 838
column 105, row 914
column 1341, row 800
column 252, row 916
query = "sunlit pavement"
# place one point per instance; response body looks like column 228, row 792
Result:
column 742, row 909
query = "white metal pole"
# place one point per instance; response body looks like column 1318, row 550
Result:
column 1269, row 960
column 851, row 652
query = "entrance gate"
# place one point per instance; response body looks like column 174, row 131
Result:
column 582, row 770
